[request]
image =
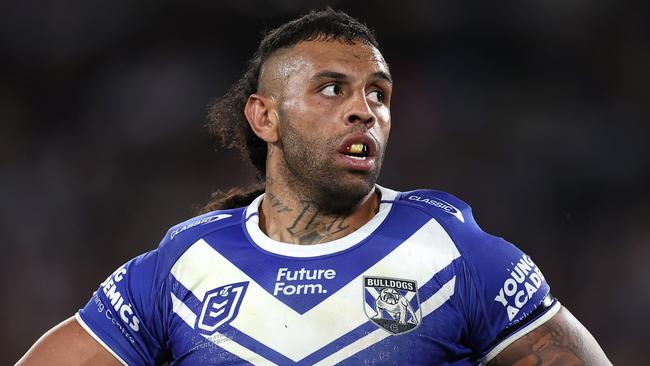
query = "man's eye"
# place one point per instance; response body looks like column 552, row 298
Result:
column 331, row 90
column 376, row 96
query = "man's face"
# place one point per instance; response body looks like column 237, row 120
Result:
column 334, row 118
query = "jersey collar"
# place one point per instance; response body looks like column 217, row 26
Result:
column 259, row 239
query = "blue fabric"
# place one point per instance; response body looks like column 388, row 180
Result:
column 495, row 288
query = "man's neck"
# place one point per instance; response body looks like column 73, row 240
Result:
column 287, row 217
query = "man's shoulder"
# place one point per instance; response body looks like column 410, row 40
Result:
column 182, row 235
column 439, row 204
column 206, row 222
column 455, row 217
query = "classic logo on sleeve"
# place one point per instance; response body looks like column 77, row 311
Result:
column 220, row 306
column 443, row 205
column 205, row 220
column 392, row 304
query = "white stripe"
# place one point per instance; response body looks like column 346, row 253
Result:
column 183, row 311
column 522, row 332
column 354, row 347
column 237, row 349
column 432, row 303
column 409, row 296
column 90, row 331
column 440, row 297
column 271, row 322
column 428, row 250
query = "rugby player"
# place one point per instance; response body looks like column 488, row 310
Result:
column 321, row 265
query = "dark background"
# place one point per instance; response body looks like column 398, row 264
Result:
column 535, row 112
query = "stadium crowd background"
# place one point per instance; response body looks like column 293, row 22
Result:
column 535, row 112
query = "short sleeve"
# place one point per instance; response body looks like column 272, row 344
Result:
column 513, row 296
column 503, row 292
column 125, row 314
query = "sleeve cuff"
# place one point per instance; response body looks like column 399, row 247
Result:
column 543, row 318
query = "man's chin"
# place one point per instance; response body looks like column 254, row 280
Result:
column 345, row 195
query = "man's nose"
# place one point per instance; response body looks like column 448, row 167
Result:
column 359, row 111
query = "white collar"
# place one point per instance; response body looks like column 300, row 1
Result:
column 267, row 244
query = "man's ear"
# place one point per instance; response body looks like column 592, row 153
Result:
column 262, row 116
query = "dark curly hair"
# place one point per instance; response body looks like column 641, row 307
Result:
column 226, row 119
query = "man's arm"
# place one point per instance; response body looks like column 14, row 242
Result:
column 562, row 340
column 68, row 344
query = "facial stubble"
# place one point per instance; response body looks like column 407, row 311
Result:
column 312, row 174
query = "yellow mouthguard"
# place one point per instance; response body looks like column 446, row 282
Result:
column 356, row 148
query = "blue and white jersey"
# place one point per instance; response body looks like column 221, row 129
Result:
column 419, row 284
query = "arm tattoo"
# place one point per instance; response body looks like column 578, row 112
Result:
column 551, row 344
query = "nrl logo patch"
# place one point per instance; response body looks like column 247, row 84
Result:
column 220, row 306
column 392, row 303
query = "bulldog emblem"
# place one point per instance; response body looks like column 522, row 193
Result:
column 393, row 304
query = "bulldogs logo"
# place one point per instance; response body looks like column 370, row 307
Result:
column 392, row 304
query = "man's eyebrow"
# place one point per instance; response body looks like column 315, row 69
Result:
column 329, row 75
column 340, row 76
column 382, row 75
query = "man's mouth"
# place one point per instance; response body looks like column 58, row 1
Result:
column 357, row 151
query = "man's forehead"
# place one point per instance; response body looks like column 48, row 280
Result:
column 323, row 51
column 314, row 56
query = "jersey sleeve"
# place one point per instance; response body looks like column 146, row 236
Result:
column 507, row 296
column 503, row 293
column 125, row 314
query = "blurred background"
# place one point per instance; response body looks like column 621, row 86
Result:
column 535, row 112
